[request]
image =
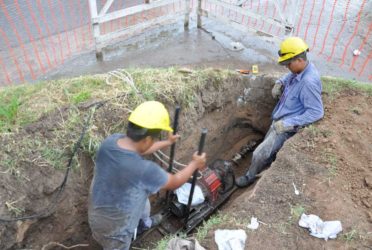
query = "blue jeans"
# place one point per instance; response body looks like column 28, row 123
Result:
column 265, row 153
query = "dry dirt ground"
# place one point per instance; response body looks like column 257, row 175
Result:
column 330, row 163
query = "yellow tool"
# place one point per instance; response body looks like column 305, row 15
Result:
column 255, row 69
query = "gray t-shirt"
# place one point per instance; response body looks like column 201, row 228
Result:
column 122, row 182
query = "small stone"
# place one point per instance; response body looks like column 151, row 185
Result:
column 368, row 181
column 366, row 203
column 369, row 216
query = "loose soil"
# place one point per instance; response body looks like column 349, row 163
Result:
column 329, row 162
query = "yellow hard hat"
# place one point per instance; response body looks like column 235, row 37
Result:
column 291, row 47
column 151, row 115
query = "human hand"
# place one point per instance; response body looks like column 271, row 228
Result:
column 277, row 90
column 279, row 127
column 200, row 160
column 172, row 138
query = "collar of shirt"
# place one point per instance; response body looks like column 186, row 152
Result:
column 299, row 76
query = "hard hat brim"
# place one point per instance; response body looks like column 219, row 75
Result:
column 285, row 62
column 168, row 129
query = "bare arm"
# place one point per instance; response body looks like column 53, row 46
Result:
column 162, row 144
column 178, row 179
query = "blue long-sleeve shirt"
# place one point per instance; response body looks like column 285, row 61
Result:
column 301, row 101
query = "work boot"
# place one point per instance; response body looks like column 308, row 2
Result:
column 244, row 181
column 156, row 219
column 142, row 227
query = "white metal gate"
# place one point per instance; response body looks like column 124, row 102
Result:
column 273, row 17
column 102, row 16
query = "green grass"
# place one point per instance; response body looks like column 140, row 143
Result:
column 13, row 209
column 296, row 212
column 209, row 224
column 350, row 236
column 25, row 104
column 81, row 97
column 282, row 227
column 163, row 243
column 201, row 231
column 55, row 113
column 10, row 167
column 332, row 85
column 54, row 157
column 332, row 160
column 314, row 130
column 8, row 112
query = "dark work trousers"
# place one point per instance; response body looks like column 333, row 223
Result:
column 265, row 153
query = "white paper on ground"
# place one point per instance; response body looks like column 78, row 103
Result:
column 230, row 239
column 318, row 228
column 184, row 244
column 254, row 223
column 183, row 194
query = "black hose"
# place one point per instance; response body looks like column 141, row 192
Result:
column 51, row 209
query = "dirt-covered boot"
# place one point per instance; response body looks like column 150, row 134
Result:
column 244, row 181
column 156, row 219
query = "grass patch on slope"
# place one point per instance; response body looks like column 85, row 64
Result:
column 25, row 104
column 333, row 85
column 55, row 111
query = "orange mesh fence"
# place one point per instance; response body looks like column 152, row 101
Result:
column 37, row 36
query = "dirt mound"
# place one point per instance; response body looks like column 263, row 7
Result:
column 330, row 164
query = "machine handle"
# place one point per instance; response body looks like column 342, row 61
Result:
column 194, row 177
column 173, row 146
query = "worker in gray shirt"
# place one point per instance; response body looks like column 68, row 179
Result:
column 123, row 180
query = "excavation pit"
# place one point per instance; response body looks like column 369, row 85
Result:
column 234, row 108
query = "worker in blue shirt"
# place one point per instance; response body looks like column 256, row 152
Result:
column 300, row 104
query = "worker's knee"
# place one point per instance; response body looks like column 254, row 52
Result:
column 262, row 152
